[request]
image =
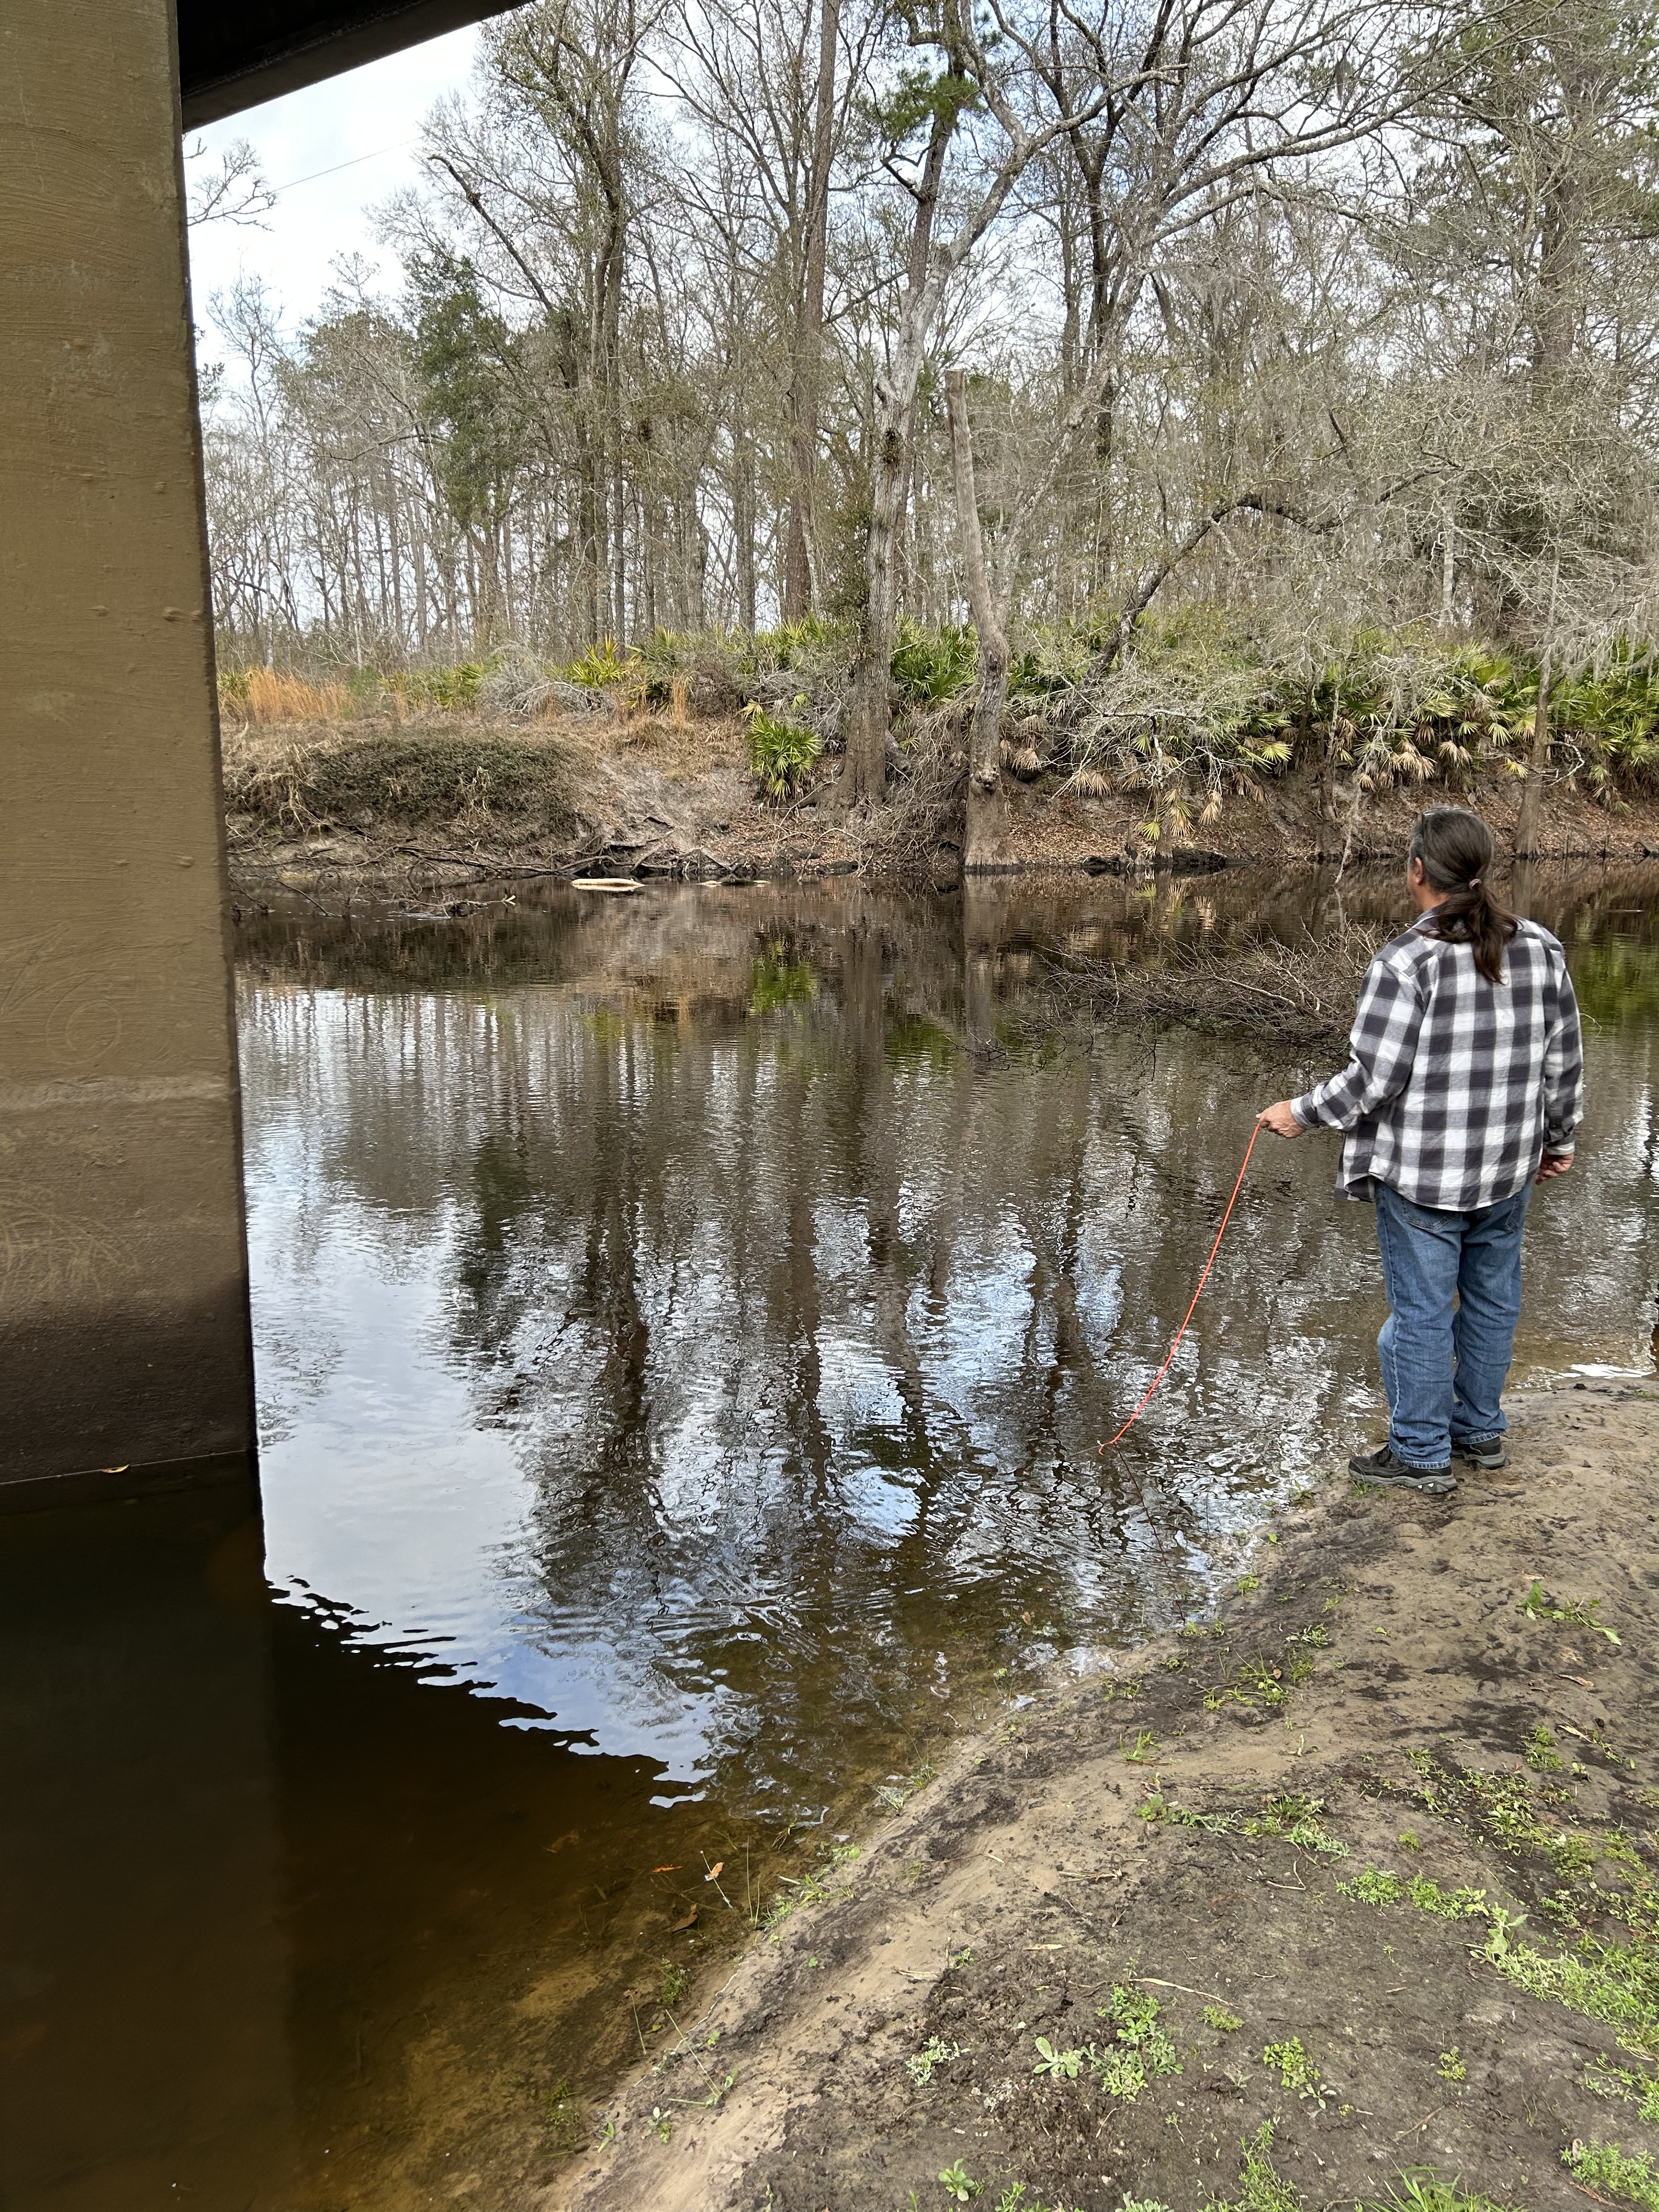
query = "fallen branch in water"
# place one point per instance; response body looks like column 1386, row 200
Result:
column 1299, row 993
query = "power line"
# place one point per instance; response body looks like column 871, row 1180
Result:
column 294, row 183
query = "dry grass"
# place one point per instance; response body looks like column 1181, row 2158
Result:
column 695, row 746
column 265, row 696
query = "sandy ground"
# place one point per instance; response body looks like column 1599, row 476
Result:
column 1167, row 1888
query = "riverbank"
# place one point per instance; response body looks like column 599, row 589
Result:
column 403, row 810
column 1355, row 1877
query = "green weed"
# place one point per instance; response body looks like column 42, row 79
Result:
column 1297, row 1817
column 1374, row 1887
column 1615, row 1983
column 959, row 2184
column 1377, row 1887
column 1140, row 2051
column 674, row 1977
column 1058, row 2065
column 1462, row 1903
column 1620, row 2173
column 926, row 2062
column 1297, row 2071
column 816, row 645
column 1260, row 2188
column 1603, row 2079
column 810, row 1888
column 897, row 1794
column 1213, row 1824
column 1224, row 2022
column 1577, row 1612
column 798, row 1889
column 562, row 2117
column 1422, row 2190
column 1452, row 2067
column 1541, row 1754
column 1257, row 1679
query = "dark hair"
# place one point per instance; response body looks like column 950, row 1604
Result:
column 1456, row 848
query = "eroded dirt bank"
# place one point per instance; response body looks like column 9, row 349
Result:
column 1269, row 1875
column 407, row 810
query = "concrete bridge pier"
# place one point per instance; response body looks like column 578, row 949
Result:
column 123, row 1316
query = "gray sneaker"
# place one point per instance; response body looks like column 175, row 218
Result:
column 1485, row 1452
column 1382, row 1467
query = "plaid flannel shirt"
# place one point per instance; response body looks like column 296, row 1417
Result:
column 1457, row 1086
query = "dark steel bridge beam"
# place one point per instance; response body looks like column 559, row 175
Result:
column 231, row 57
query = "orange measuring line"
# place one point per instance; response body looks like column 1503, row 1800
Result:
column 1202, row 1280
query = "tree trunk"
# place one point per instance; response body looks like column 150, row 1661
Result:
column 865, row 777
column 808, row 356
column 1532, row 795
column 986, row 843
column 743, row 526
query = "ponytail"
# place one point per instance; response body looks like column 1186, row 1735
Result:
column 1456, row 848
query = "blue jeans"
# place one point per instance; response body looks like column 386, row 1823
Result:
column 1443, row 1365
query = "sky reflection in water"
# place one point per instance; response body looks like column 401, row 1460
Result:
column 684, row 1316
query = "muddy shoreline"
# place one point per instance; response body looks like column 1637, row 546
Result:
column 1365, row 1859
column 367, row 813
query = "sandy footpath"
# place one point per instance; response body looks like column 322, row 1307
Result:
column 1355, row 1876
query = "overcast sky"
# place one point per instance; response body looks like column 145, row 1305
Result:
column 331, row 153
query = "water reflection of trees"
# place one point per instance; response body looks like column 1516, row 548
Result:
column 806, row 1306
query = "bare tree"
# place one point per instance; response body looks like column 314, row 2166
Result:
column 234, row 191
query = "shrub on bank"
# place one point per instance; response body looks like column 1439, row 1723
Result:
column 930, row 666
column 1202, row 709
column 405, row 777
column 1205, row 708
column 450, row 690
column 781, row 751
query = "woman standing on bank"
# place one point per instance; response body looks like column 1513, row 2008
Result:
column 1465, row 1088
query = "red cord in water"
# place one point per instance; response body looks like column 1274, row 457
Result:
column 1202, row 1280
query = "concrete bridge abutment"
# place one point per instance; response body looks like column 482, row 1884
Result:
column 123, row 1316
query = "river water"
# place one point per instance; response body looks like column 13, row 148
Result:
column 685, row 1325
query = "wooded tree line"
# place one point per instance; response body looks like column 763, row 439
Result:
column 1339, row 314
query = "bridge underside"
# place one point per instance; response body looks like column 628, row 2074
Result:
column 125, row 1351
column 232, row 58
